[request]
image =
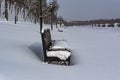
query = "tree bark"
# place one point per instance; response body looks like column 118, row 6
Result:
column 0, row 7
column 6, row 10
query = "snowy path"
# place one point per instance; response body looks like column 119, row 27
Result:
column 96, row 53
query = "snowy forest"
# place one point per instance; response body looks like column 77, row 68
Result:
column 30, row 10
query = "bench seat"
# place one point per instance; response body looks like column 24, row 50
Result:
column 62, row 55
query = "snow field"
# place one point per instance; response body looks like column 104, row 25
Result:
column 95, row 53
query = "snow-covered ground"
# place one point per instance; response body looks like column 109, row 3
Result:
column 95, row 53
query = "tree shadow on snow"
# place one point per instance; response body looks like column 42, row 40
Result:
column 38, row 50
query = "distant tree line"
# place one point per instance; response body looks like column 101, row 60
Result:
column 93, row 22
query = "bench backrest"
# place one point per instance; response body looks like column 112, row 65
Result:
column 47, row 38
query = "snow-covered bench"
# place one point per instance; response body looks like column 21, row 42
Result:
column 55, row 50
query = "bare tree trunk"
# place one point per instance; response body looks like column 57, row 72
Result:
column 6, row 10
column 0, row 7
column 51, row 20
column 15, row 14
column 56, row 20
column 24, row 13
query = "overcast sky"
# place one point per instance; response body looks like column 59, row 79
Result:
column 89, row 9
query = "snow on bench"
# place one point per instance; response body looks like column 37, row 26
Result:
column 63, row 55
column 55, row 50
column 60, row 49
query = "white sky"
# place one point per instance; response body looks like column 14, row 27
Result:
column 89, row 9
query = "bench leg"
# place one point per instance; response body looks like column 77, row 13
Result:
column 69, row 62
